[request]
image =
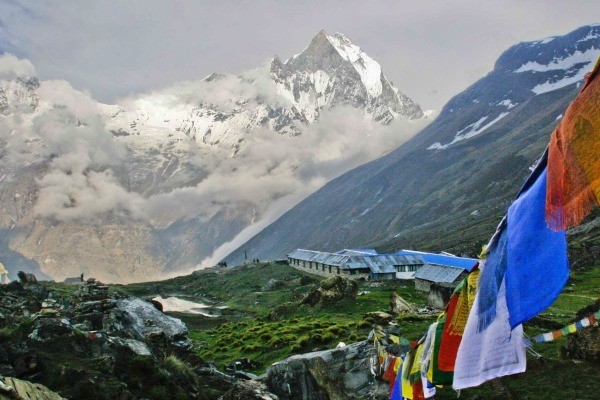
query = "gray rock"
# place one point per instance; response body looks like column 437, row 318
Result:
column 398, row 305
column 142, row 321
column 335, row 374
column 330, row 291
column 248, row 390
column 273, row 284
column 379, row 317
column 134, row 346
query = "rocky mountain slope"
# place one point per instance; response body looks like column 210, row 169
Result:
column 456, row 177
column 88, row 342
column 155, row 184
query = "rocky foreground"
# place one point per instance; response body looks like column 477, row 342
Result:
column 92, row 343
column 88, row 341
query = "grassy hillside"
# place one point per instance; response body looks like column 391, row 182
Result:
column 267, row 326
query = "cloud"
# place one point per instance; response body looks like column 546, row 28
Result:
column 274, row 172
column 87, row 166
column 65, row 131
column 225, row 92
column 60, row 93
column 12, row 67
column 272, row 166
column 81, row 183
column 72, row 191
column 116, row 48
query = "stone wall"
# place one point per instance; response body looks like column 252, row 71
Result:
column 439, row 296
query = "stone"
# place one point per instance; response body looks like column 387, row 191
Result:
column 18, row 389
column 241, row 364
column 248, row 390
column 439, row 296
column 50, row 328
column 26, row 279
column 330, row 291
column 157, row 304
column 399, row 306
column 273, row 284
column 132, row 346
column 336, row 374
column 29, row 283
column 379, row 317
column 26, row 364
column 141, row 320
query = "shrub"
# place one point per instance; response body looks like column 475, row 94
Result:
column 178, row 367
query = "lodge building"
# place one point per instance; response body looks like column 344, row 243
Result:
column 424, row 268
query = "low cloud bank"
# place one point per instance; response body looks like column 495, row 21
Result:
column 271, row 172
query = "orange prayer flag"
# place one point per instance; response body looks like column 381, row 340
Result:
column 573, row 186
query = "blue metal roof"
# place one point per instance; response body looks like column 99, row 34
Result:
column 442, row 259
column 438, row 273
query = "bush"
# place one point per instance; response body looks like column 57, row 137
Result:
column 364, row 324
column 6, row 334
column 159, row 393
column 177, row 367
column 353, row 337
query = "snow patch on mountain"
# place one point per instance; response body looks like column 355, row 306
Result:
column 589, row 36
column 469, row 131
column 369, row 69
column 542, row 41
column 578, row 57
column 507, row 103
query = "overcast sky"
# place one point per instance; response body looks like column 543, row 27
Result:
column 431, row 50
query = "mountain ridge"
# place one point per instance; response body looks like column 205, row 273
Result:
column 500, row 123
column 155, row 184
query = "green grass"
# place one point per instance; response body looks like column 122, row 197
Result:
column 582, row 289
column 247, row 330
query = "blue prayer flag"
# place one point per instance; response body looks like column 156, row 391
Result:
column 537, row 267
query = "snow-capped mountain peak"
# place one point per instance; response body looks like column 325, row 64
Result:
column 334, row 71
column 368, row 69
column 175, row 173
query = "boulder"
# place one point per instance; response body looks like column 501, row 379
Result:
column 140, row 320
column 379, row 317
column 342, row 373
column 330, row 291
column 45, row 329
column 399, row 306
column 439, row 296
column 273, row 284
column 26, row 279
column 30, row 284
column 248, row 390
column 157, row 304
column 129, row 346
column 17, row 389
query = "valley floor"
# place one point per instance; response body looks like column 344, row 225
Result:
column 265, row 323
